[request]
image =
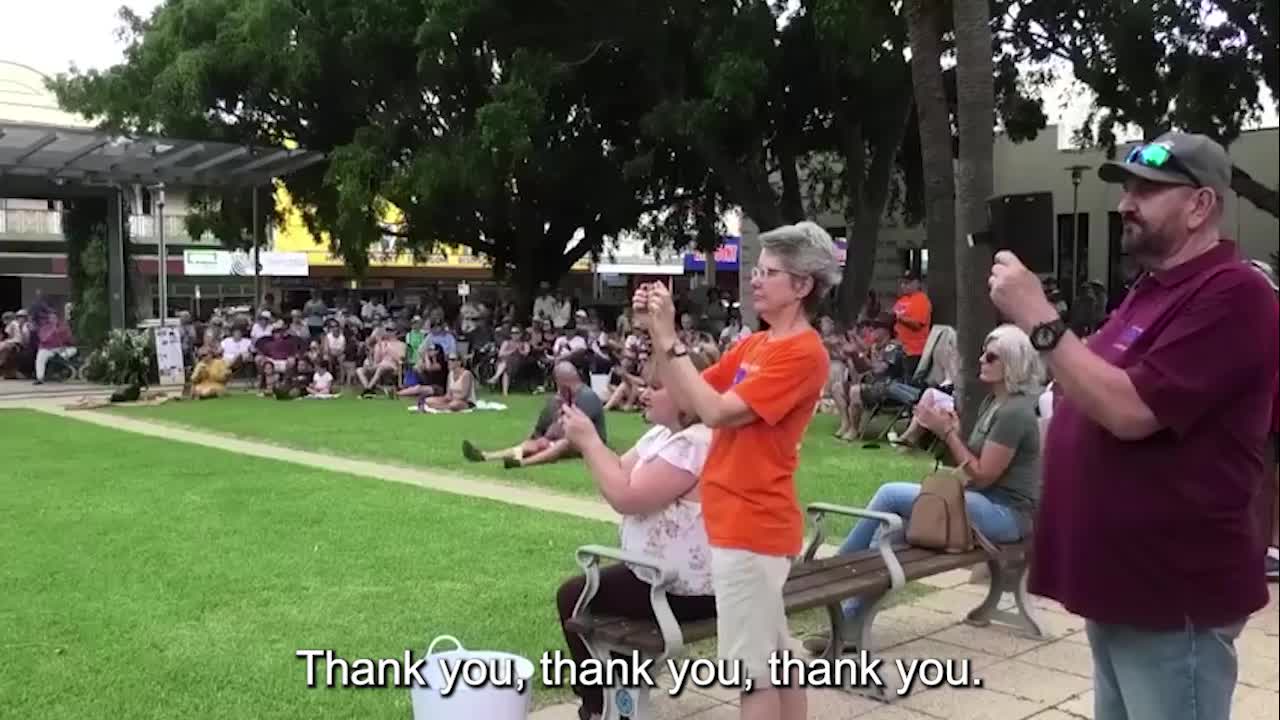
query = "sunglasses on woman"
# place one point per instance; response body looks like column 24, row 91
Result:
column 989, row 357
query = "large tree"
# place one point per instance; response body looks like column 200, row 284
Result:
column 926, row 20
column 974, row 182
column 494, row 125
column 1161, row 65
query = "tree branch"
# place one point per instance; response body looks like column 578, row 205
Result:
column 1264, row 198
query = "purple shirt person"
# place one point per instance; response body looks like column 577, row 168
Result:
column 1155, row 453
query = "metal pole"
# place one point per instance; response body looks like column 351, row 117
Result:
column 1077, row 172
column 1075, row 233
column 257, row 263
column 163, row 253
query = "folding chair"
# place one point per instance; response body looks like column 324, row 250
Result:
column 937, row 366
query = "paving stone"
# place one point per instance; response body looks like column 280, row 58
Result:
column 1256, row 642
column 895, row 712
column 1059, row 625
column 1266, row 620
column 954, row 601
column 1079, row 638
column 972, row 704
column 1032, row 682
column 994, row 640
column 927, row 649
column 831, row 704
column 719, row 712
column 1053, row 714
column 681, row 706
column 1259, row 671
column 1253, row 704
column 1080, row 706
column 920, row 620
column 563, row 711
column 948, row 579
column 1068, row 657
column 718, row 693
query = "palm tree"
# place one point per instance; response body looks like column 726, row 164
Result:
column 924, row 30
column 975, row 91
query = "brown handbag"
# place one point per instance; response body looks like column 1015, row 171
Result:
column 939, row 519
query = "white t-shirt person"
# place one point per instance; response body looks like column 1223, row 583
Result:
column 322, row 381
column 233, row 349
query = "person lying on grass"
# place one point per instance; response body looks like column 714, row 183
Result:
column 548, row 443
column 654, row 486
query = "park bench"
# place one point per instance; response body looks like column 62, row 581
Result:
column 813, row 583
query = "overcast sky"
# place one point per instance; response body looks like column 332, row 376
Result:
column 50, row 35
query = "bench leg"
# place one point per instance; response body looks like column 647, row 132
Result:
column 860, row 630
column 623, row 702
column 1010, row 578
column 627, row 703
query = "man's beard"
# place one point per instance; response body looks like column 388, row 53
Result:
column 1141, row 240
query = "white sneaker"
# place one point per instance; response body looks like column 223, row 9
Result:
column 893, row 437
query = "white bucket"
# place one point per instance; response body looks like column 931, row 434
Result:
column 600, row 385
column 504, row 693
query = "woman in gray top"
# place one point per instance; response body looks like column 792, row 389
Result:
column 1001, row 460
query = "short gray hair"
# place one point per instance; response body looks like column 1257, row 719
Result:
column 805, row 250
column 1023, row 370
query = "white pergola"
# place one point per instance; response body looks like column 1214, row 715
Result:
column 48, row 162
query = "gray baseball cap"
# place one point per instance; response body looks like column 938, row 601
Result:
column 1194, row 160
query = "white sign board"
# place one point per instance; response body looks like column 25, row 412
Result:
column 239, row 262
column 169, row 356
column 463, row 289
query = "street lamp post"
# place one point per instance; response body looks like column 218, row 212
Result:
column 1077, row 172
column 162, row 253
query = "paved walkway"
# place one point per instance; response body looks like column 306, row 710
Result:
column 1021, row 678
column 538, row 499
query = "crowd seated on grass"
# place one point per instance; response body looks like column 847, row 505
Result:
column 209, row 376
column 655, row 487
column 548, row 442
column 428, row 376
column 459, row 389
column 385, row 361
column 277, row 356
column 53, row 339
column 15, row 342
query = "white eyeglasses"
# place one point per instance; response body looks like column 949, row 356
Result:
column 760, row 273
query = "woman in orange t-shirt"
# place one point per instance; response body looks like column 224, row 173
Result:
column 758, row 399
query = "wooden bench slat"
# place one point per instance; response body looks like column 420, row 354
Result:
column 816, row 583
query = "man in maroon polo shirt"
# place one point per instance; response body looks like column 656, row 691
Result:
column 1154, row 456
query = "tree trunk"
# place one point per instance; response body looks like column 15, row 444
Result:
column 924, row 26
column 1264, row 198
column 975, row 89
column 869, row 201
column 748, row 254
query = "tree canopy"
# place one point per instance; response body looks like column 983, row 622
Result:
column 1161, row 65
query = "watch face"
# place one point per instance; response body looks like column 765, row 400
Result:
column 1043, row 336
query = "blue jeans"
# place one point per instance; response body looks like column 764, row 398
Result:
column 1186, row 674
column 997, row 522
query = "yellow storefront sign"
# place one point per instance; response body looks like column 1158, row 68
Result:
column 292, row 235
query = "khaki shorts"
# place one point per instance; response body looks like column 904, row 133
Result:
column 751, row 620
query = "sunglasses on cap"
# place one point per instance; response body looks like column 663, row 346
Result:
column 1159, row 157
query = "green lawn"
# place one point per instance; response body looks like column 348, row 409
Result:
column 151, row 579
column 830, row 470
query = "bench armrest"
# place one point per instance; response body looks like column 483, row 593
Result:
column 649, row 569
column 890, row 530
